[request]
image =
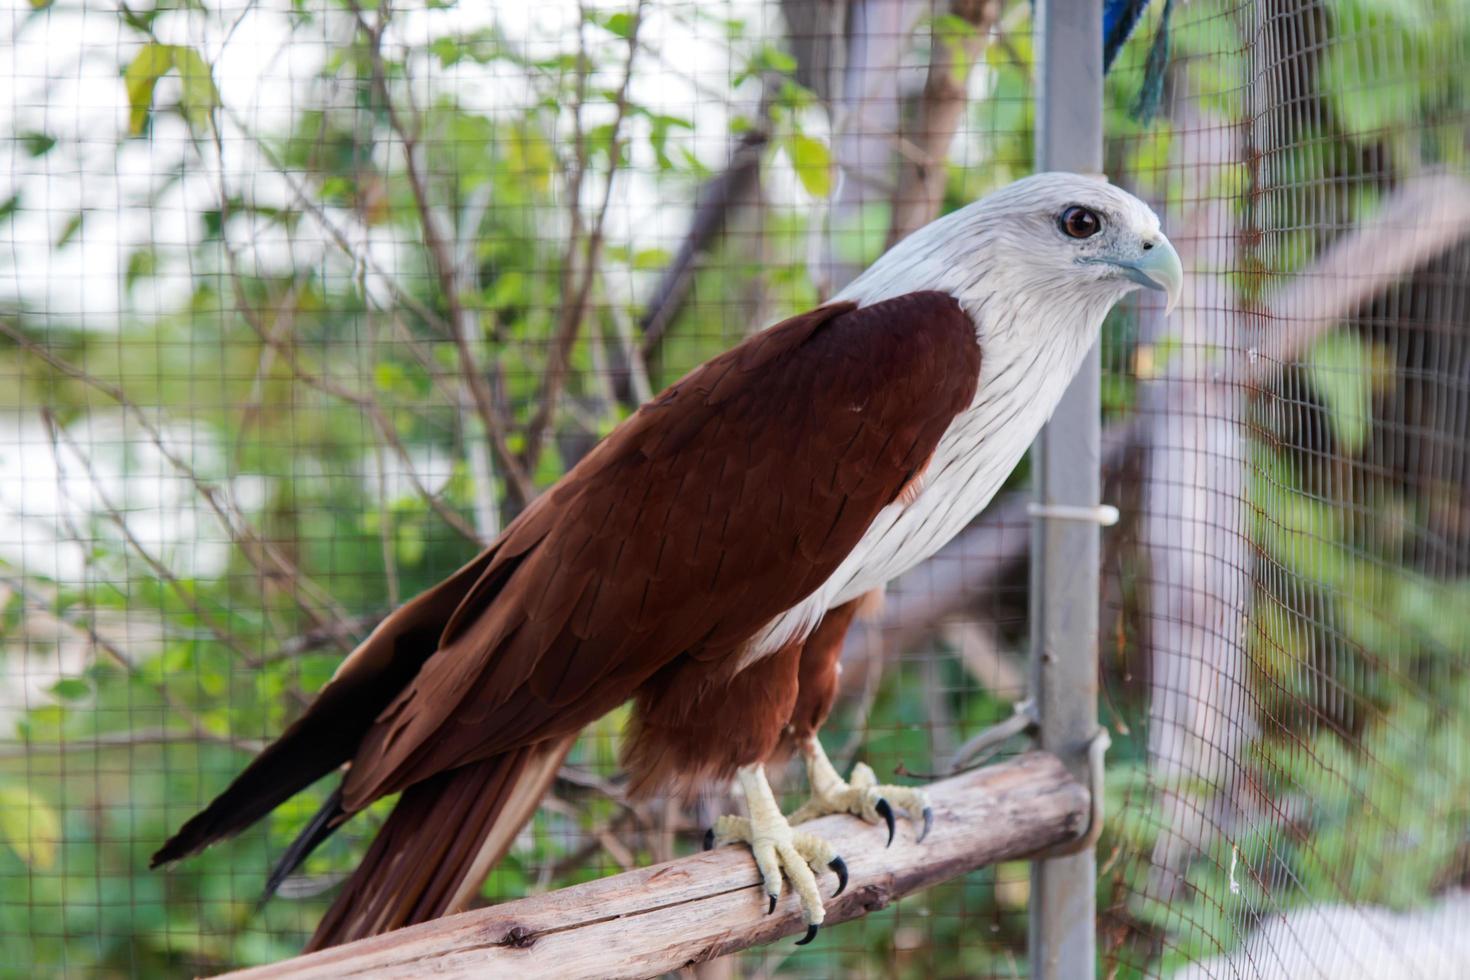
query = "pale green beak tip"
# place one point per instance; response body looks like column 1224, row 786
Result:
column 1157, row 268
column 1160, row 269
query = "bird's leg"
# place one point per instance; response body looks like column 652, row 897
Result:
column 861, row 796
column 778, row 849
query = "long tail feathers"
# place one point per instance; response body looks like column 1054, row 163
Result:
column 440, row 842
column 328, row 733
column 327, row 820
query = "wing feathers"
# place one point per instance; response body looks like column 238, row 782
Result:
column 330, row 731
column 719, row 505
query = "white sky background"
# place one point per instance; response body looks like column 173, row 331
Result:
column 64, row 68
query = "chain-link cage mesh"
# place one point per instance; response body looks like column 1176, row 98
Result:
column 301, row 302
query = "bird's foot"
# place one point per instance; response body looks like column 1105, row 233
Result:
column 861, row 795
column 780, row 850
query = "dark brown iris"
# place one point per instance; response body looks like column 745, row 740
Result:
column 1079, row 222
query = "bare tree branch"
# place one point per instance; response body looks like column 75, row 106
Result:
column 26, row 590
column 578, row 276
column 918, row 193
column 59, row 436
column 125, row 740
column 313, row 600
column 1423, row 218
column 713, row 207
column 518, row 481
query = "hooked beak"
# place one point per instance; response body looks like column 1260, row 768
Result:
column 1159, row 268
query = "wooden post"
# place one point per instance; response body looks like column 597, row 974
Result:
column 654, row 920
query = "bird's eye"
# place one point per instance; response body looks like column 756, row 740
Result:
column 1079, row 222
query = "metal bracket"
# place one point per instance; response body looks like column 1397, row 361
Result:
column 978, row 749
column 1097, row 750
column 975, row 752
column 1103, row 515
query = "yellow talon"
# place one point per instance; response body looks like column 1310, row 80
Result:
column 780, row 851
column 862, row 795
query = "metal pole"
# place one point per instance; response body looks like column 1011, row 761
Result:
column 1065, row 553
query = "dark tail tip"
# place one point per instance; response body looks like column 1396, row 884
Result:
column 327, row 820
column 187, row 841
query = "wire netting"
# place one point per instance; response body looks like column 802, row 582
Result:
column 300, row 302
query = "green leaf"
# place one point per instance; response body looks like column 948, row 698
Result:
column 411, row 544
column 37, row 144
column 776, row 59
column 658, row 135
column 71, row 689
column 652, row 258
column 29, row 825
column 448, row 50
column 142, row 75
column 620, row 24
column 200, row 97
column 388, row 376
column 1345, row 371
column 9, row 206
column 142, row 262
column 69, row 230
column 812, row 162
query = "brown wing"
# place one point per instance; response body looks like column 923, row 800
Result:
column 720, row 504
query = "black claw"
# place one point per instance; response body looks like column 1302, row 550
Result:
column 928, row 823
column 886, row 812
column 773, row 903
column 811, row 933
column 840, row 867
column 709, row 839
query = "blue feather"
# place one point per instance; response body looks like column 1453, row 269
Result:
column 1151, row 92
column 1120, row 17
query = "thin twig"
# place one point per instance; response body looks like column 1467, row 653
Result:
column 375, row 413
column 59, row 436
column 123, row 740
column 518, row 480
column 255, row 547
column 337, row 236
column 116, row 654
column 918, row 193
column 321, row 637
column 573, row 312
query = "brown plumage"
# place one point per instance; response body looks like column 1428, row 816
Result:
column 705, row 560
column 644, row 573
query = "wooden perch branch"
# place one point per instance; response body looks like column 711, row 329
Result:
column 653, row 920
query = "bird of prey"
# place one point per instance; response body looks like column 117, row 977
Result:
column 705, row 560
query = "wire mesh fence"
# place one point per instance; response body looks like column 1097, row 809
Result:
column 302, row 302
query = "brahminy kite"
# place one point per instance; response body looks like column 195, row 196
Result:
column 705, row 560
